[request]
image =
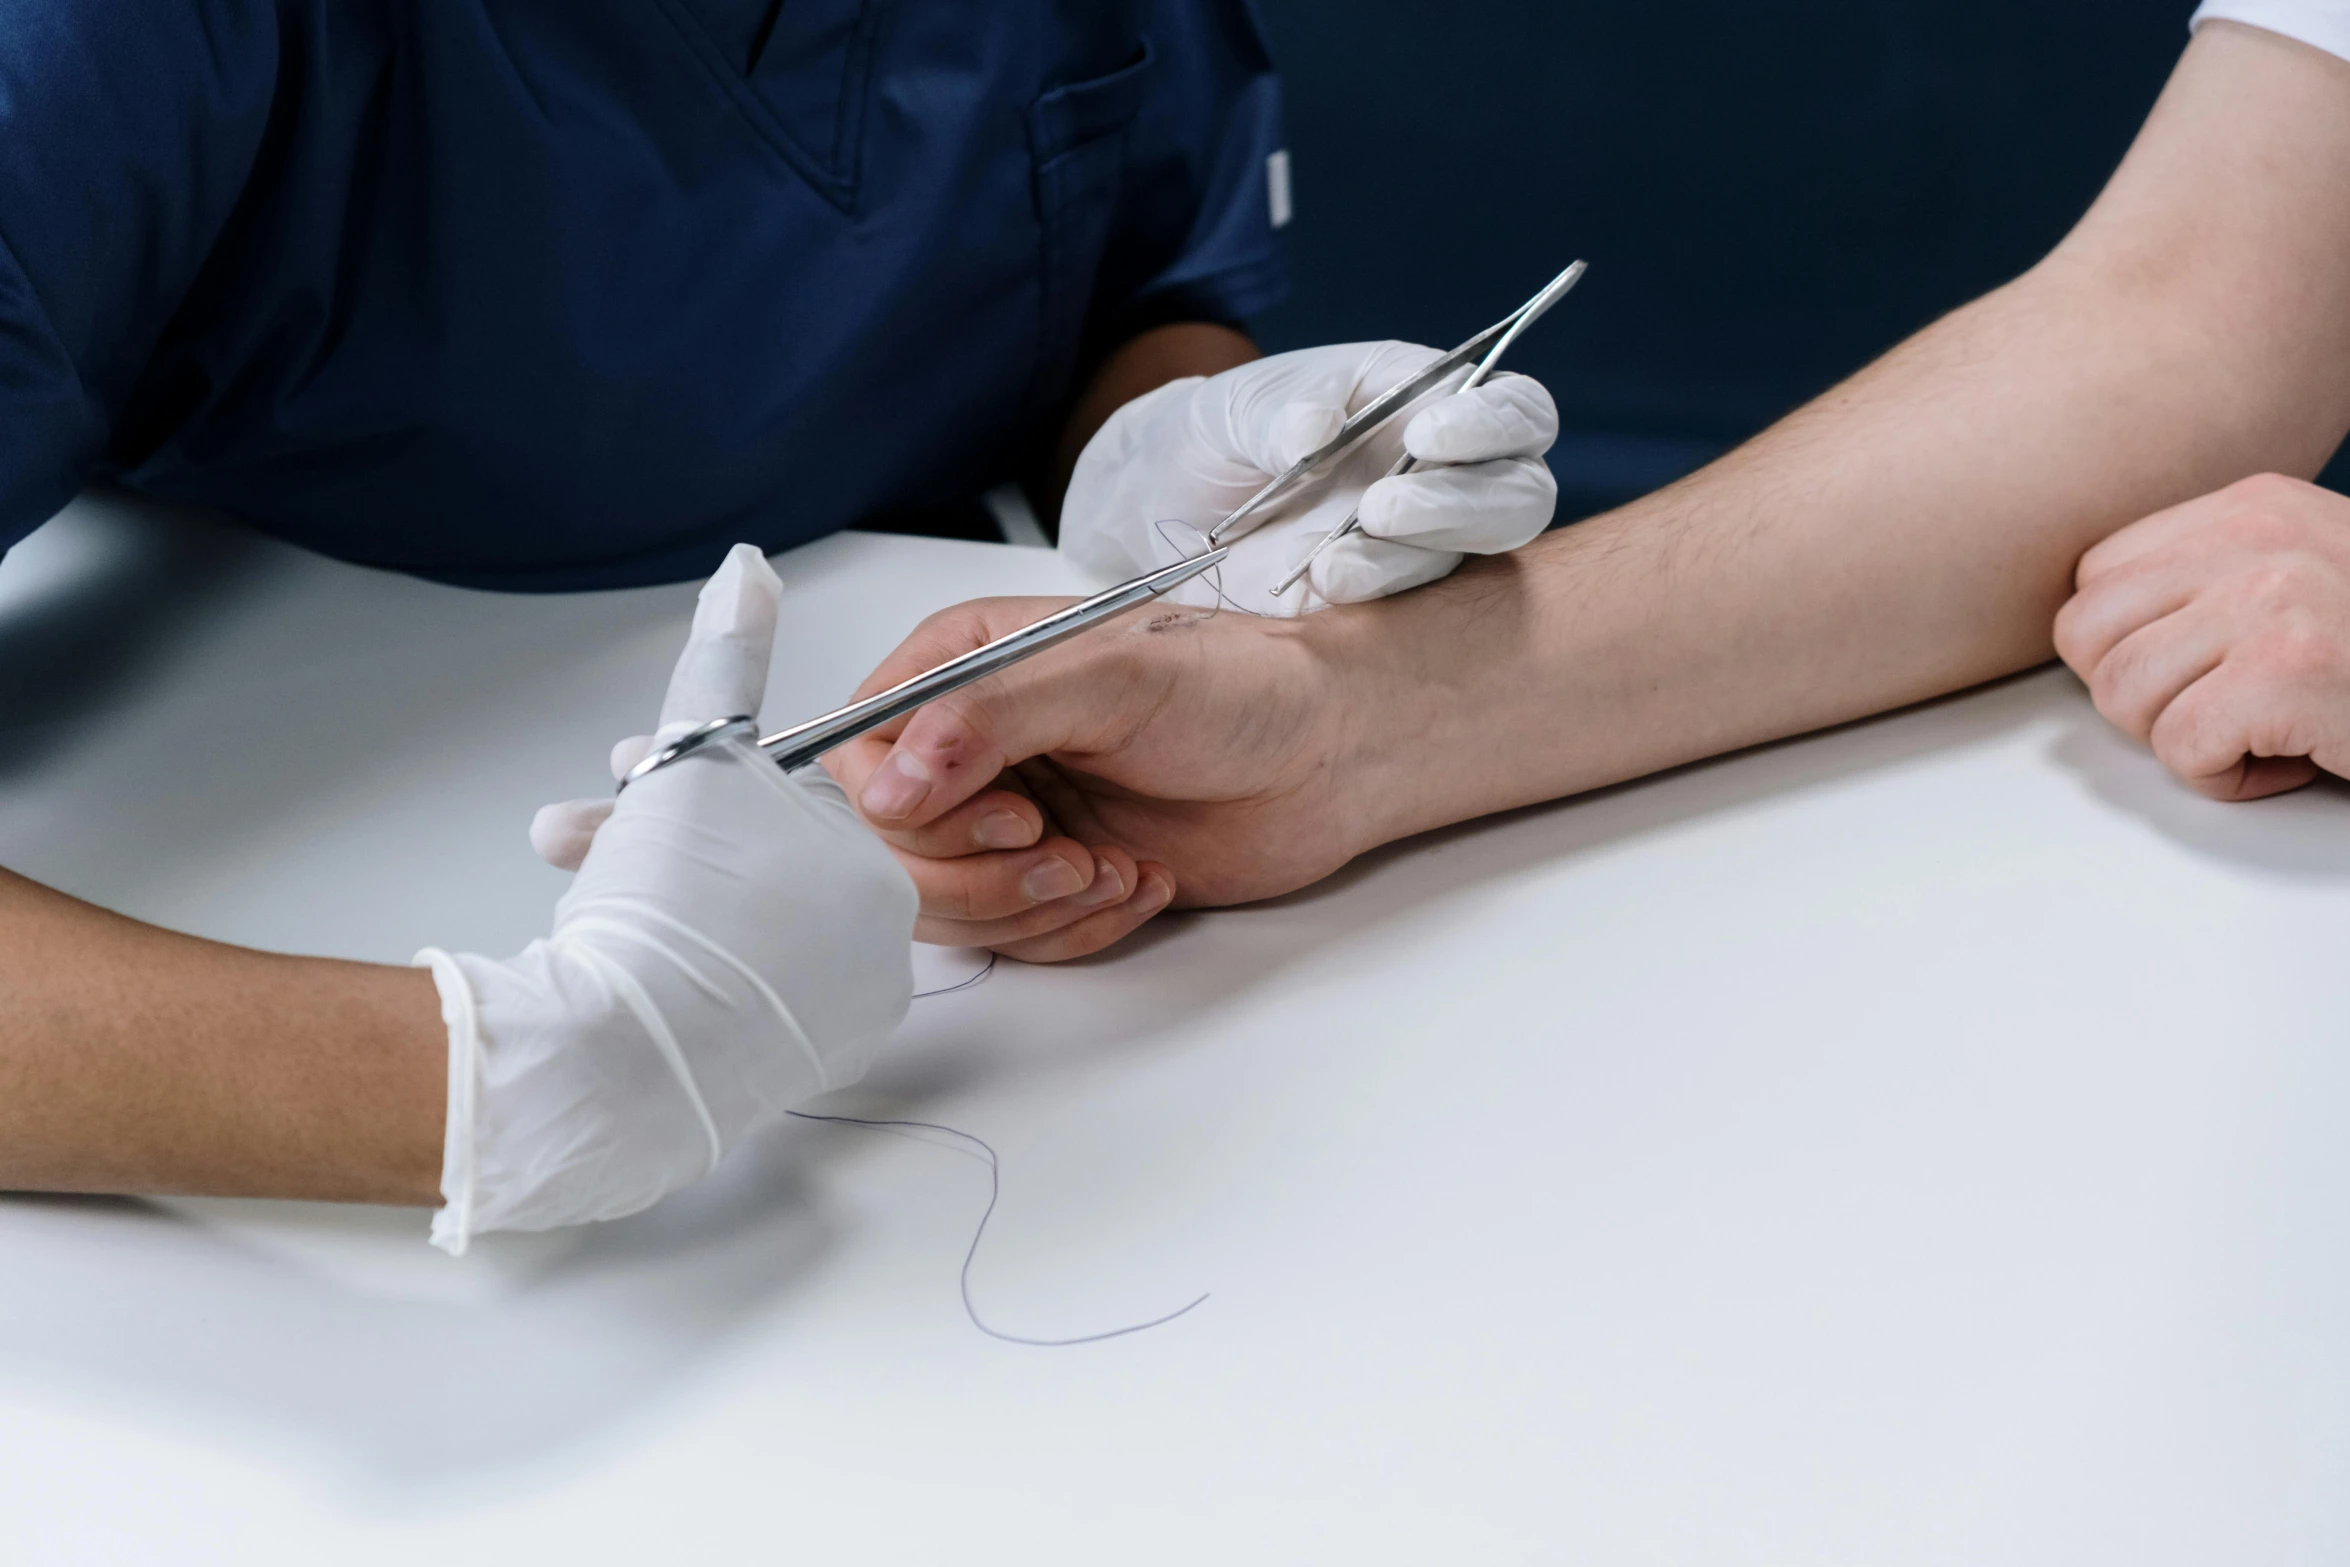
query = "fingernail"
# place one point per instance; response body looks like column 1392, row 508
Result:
column 898, row 788
column 1003, row 830
column 1108, row 887
column 1050, row 879
column 1155, row 895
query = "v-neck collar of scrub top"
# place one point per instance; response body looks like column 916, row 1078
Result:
column 570, row 293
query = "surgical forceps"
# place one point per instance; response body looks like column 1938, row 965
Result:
column 1492, row 343
column 799, row 746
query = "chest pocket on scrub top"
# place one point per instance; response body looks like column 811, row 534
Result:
column 1077, row 134
column 800, row 71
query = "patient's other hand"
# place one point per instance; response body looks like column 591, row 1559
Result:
column 2219, row 633
column 1174, row 757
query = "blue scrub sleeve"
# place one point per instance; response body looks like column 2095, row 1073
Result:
column 1197, row 166
column 127, row 128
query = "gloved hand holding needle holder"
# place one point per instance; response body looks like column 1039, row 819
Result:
column 736, row 943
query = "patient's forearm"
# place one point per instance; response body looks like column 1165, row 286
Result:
column 136, row 1060
column 1916, row 530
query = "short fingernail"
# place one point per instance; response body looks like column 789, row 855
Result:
column 1155, row 895
column 1051, row 879
column 1108, row 887
column 1003, row 830
column 898, row 788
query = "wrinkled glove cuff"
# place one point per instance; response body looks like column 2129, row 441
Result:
column 452, row 1226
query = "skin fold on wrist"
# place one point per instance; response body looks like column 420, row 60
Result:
column 1413, row 700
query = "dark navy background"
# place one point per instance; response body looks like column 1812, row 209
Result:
column 1770, row 195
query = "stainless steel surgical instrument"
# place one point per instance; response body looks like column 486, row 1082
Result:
column 800, row 745
column 1375, row 415
column 1500, row 335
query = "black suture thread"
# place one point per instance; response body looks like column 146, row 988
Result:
column 965, row 984
column 1214, row 575
column 995, row 1189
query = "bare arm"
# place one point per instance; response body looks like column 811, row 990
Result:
column 1912, row 532
column 1916, row 530
column 136, row 1060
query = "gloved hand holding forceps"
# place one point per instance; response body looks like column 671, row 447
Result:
column 1170, row 465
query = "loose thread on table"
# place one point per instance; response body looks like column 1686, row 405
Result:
column 995, row 1191
column 964, row 984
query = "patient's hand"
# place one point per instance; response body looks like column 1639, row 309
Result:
column 2219, row 633
column 1176, row 756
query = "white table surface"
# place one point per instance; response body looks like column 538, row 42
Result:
column 1923, row 1143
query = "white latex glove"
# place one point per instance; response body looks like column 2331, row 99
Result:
column 721, row 674
column 736, row 943
column 1194, row 449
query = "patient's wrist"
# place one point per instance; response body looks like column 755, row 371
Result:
column 1450, row 701
column 1404, row 715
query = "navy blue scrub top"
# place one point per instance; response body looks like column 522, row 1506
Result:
column 575, row 293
